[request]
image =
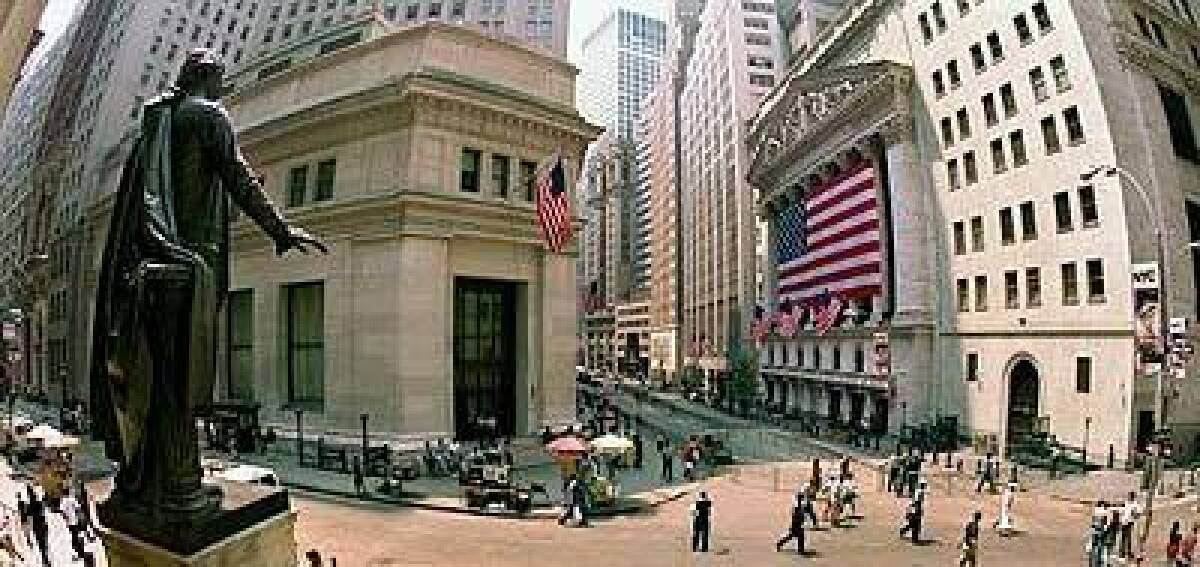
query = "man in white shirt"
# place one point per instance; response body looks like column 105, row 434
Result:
column 68, row 506
column 1130, row 512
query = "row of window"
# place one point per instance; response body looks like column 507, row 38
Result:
column 310, row 7
column 302, row 190
column 304, row 305
column 968, row 174
column 500, row 172
column 935, row 19
column 1064, row 221
column 1083, row 372
column 810, row 357
column 1068, row 278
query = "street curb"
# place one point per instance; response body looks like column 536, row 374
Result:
column 641, row 504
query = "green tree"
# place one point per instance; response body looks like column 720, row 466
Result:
column 743, row 378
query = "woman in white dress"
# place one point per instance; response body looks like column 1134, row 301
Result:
column 1005, row 523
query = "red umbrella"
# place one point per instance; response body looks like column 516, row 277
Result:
column 568, row 446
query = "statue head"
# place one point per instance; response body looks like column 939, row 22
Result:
column 202, row 74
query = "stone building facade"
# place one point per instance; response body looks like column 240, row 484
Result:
column 1008, row 296
column 438, row 310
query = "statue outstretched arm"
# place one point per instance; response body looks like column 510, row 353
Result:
column 246, row 190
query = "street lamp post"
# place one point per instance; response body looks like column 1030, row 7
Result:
column 1154, row 462
column 1087, row 430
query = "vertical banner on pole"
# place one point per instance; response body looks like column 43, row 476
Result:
column 1147, row 317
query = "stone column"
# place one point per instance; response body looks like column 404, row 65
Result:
column 912, row 280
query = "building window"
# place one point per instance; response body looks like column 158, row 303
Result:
column 500, row 176
column 297, row 185
column 326, row 175
column 458, row 8
column 964, row 296
column 952, row 175
column 939, row 87
column 926, row 30
column 1023, row 31
column 960, row 238
column 972, row 367
column 757, row 23
column 1012, row 293
column 964, row 7
column 306, row 344
column 995, row 47
column 1028, row 221
column 528, row 178
column 1070, row 284
column 981, row 293
column 1179, row 124
column 977, row 60
column 939, row 18
column 1050, row 136
column 435, row 9
column 762, row 80
column 947, row 132
column 952, row 74
column 970, row 169
column 240, row 337
column 1095, row 276
column 469, row 172
column 1008, row 234
column 1074, row 126
column 1062, row 213
column 1017, row 141
column 964, row 123
column 860, row 360
column 760, row 62
column 287, row 31
column 1058, row 67
column 1083, row 375
column 990, row 116
column 1033, row 287
column 412, row 11
column 268, row 36
column 977, row 234
column 836, row 355
column 305, row 27
column 999, row 161
column 1088, row 213
column 1037, row 82
column 758, row 39
column 1008, row 100
column 1042, row 17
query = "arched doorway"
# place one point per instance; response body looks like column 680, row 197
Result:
column 1022, row 401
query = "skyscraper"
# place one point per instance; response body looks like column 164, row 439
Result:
column 621, row 58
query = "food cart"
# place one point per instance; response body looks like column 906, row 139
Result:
column 488, row 483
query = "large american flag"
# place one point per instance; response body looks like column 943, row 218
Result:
column 829, row 241
column 553, row 205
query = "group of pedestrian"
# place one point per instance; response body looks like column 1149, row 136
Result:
column 903, row 472
column 838, row 495
column 1112, row 531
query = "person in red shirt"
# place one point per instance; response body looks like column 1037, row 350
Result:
column 1188, row 548
column 1174, row 541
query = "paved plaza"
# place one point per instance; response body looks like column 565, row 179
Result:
column 751, row 510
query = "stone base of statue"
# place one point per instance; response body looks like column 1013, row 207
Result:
column 254, row 526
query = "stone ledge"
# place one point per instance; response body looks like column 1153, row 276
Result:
column 269, row 543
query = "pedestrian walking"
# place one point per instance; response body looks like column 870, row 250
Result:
column 579, row 501
column 1187, row 549
column 357, row 471
column 1112, row 532
column 1174, row 544
column 987, row 474
column 313, row 557
column 701, row 523
column 970, row 542
column 913, row 473
column 1130, row 513
column 68, row 506
column 36, row 507
column 1004, row 520
column 808, row 505
column 668, row 467
column 1095, row 544
column 796, row 528
column 893, row 474
column 844, row 469
column 913, row 517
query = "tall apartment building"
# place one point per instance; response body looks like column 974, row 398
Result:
column 18, row 36
column 542, row 23
column 621, row 59
column 658, row 152
column 1005, row 274
column 738, row 56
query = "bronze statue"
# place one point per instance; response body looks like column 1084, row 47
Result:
column 162, row 284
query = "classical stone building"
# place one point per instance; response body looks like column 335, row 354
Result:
column 1006, row 276
column 438, row 311
column 18, row 36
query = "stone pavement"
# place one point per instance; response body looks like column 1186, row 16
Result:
column 750, row 513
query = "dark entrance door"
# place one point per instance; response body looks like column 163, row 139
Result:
column 857, row 403
column 835, row 406
column 484, row 358
column 1022, row 402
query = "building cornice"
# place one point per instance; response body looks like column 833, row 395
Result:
column 804, row 123
column 1136, row 51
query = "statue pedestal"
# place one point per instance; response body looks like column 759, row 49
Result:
column 252, row 529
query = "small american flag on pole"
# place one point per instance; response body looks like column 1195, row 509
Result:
column 787, row 319
column 553, row 204
column 827, row 311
